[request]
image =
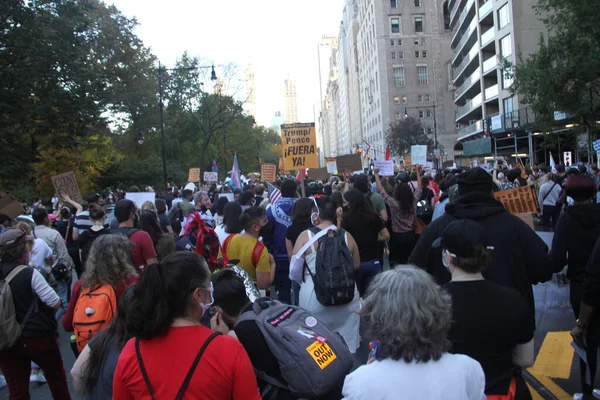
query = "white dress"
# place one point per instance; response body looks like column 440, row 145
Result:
column 342, row 319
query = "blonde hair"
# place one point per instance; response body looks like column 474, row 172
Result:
column 108, row 262
column 24, row 226
column 149, row 206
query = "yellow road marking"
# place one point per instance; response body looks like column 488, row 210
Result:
column 555, row 357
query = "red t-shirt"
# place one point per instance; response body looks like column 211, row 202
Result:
column 143, row 249
column 224, row 371
column 67, row 319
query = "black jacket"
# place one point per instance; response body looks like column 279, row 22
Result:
column 591, row 284
column 520, row 257
column 574, row 238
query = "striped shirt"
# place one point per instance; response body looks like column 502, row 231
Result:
column 83, row 222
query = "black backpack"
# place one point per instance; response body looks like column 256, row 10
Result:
column 334, row 277
column 424, row 209
column 127, row 232
column 176, row 217
column 91, row 236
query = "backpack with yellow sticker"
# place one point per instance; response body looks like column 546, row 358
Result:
column 313, row 360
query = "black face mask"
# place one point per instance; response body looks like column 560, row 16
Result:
column 136, row 221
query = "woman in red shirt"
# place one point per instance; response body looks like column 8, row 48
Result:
column 172, row 355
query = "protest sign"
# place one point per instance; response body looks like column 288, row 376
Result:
column 318, row 174
column 520, row 200
column 523, row 173
column 10, row 206
column 350, row 162
column 140, row 198
column 332, row 167
column 67, row 183
column 229, row 196
column 299, row 146
column 268, row 172
column 211, row 177
column 386, row 167
column 418, row 155
column 194, row 175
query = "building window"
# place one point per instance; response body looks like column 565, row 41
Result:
column 395, row 23
column 509, row 105
column 400, row 42
column 417, row 54
column 423, row 41
column 420, row 98
column 428, row 114
column 422, row 75
column 506, row 46
column 421, row 113
column 446, row 16
column 429, row 130
column 418, row 24
column 400, row 55
column 392, row 42
column 397, row 100
column 503, row 18
column 404, row 99
column 394, row 3
column 423, row 54
column 426, row 98
column 418, row 3
column 398, row 115
column 399, row 79
column 417, row 42
column 393, row 55
column 507, row 78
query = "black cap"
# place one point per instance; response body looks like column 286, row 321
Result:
column 475, row 180
column 402, row 177
column 560, row 168
column 92, row 198
column 462, row 237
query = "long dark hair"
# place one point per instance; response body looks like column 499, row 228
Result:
column 359, row 206
column 149, row 223
column 231, row 217
column 163, row 292
column 116, row 334
column 221, row 203
column 327, row 209
column 403, row 194
column 301, row 211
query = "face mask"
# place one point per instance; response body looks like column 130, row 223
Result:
column 205, row 307
column 444, row 262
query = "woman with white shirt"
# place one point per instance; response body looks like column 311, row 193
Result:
column 407, row 316
column 231, row 224
column 549, row 194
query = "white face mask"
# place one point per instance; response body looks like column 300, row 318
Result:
column 205, row 307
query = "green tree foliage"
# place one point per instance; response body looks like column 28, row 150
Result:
column 405, row 133
column 564, row 75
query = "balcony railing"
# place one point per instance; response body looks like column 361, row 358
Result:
column 465, row 130
column 463, row 15
column 487, row 37
column 468, row 58
column 490, row 92
column 468, row 82
column 485, row 9
column 490, row 64
column 474, row 102
column 466, row 35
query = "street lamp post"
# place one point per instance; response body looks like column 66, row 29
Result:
column 436, row 151
column 161, row 105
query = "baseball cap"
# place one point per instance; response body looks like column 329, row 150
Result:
column 92, row 198
column 462, row 238
column 402, row 177
column 13, row 237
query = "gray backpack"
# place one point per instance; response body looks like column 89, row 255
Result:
column 10, row 329
column 313, row 359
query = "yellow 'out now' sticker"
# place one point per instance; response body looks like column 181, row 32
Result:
column 321, row 353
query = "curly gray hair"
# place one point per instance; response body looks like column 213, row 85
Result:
column 409, row 314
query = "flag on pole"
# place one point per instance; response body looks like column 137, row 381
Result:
column 388, row 156
column 552, row 164
column 274, row 193
column 301, row 174
column 236, row 182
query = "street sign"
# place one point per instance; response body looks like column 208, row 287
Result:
column 567, row 158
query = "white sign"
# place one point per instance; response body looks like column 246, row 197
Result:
column 496, row 122
column 140, row 198
column 229, row 196
column 386, row 167
column 418, row 155
column 567, row 158
column 332, row 168
column 211, row 177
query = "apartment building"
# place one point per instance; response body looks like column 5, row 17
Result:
column 291, row 101
column 486, row 33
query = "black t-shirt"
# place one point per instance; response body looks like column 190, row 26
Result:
column 365, row 234
column 294, row 231
column 87, row 238
column 164, row 222
column 488, row 321
column 65, row 228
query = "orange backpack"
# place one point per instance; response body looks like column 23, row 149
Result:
column 94, row 310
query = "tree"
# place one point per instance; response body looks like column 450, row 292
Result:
column 405, row 133
column 564, row 74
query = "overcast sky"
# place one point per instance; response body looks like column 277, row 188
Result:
column 277, row 36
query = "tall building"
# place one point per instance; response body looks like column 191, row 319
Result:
column 250, row 91
column 277, row 121
column 221, row 88
column 291, row 101
column 484, row 34
column 325, row 50
column 404, row 61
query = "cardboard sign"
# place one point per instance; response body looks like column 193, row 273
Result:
column 350, row 162
column 520, row 200
column 67, row 183
column 299, row 146
column 386, row 167
column 321, row 353
column 318, row 174
column 211, row 177
column 268, row 172
column 523, row 173
column 407, row 162
column 332, row 167
column 418, row 155
column 10, row 206
column 140, row 198
column 194, row 175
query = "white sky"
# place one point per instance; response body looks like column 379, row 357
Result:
column 277, row 36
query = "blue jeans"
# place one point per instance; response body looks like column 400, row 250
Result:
column 365, row 275
column 283, row 283
column 62, row 290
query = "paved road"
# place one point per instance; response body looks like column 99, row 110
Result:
column 555, row 375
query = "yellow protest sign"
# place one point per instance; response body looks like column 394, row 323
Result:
column 299, row 146
column 520, row 200
column 321, row 353
column 194, row 175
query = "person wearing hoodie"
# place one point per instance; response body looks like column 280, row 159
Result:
column 575, row 235
column 280, row 219
column 520, row 258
